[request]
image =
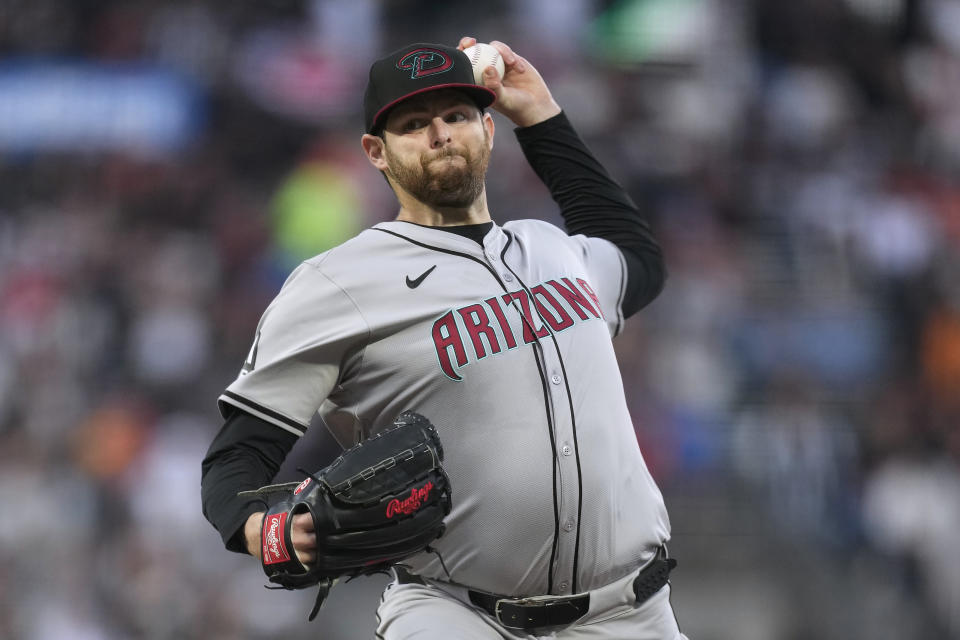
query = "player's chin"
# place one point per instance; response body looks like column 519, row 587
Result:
column 464, row 195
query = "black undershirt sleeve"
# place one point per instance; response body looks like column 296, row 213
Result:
column 593, row 204
column 245, row 454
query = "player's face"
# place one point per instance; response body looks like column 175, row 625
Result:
column 437, row 148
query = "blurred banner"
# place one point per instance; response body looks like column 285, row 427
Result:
column 287, row 73
column 632, row 32
column 63, row 105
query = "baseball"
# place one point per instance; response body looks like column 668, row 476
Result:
column 482, row 56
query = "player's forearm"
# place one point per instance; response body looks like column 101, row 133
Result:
column 593, row 204
column 246, row 454
column 251, row 533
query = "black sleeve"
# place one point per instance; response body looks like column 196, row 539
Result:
column 593, row 204
column 245, row 454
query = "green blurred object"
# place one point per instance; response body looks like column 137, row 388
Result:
column 315, row 209
column 634, row 32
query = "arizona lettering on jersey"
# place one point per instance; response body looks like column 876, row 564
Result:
column 475, row 324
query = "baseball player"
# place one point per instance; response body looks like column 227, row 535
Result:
column 501, row 336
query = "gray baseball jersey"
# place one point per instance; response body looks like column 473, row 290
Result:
column 506, row 348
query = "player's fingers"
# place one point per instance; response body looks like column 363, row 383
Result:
column 491, row 80
column 466, row 41
column 303, row 541
column 510, row 59
column 302, row 522
column 306, row 557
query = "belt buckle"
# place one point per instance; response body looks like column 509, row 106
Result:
column 538, row 602
column 498, row 613
column 535, row 601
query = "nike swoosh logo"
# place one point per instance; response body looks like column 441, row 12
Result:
column 413, row 284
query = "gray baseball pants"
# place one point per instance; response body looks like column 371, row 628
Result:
column 440, row 611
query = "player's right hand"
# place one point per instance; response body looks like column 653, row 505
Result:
column 522, row 94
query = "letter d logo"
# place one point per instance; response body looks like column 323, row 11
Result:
column 424, row 62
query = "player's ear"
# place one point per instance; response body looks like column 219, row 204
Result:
column 488, row 127
column 373, row 146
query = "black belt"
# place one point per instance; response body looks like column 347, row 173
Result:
column 532, row 613
column 552, row 611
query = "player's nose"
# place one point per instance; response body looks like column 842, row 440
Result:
column 439, row 133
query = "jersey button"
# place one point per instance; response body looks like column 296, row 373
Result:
column 563, row 586
column 566, row 450
column 508, row 277
column 568, row 525
column 555, row 378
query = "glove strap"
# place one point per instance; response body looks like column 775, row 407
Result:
column 286, row 487
column 322, row 594
column 277, row 554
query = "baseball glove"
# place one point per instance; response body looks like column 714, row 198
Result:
column 378, row 503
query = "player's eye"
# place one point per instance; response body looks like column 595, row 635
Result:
column 413, row 124
column 456, row 116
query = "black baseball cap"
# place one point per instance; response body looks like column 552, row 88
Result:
column 416, row 69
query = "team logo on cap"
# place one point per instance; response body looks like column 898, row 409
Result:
column 424, row 62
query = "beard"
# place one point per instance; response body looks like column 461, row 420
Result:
column 439, row 179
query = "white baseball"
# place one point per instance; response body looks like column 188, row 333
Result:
column 482, row 56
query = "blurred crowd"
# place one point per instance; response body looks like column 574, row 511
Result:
column 798, row 160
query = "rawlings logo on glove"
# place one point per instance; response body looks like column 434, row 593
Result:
column 301, row 486
column 411, row 504
column 274, row 549
column 381, row 501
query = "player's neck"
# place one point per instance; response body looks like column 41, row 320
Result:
column 412, row 210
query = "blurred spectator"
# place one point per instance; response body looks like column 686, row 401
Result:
column 912, row 513
column 796, row 387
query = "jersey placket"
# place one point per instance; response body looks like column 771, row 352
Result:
column 567, row 479
column 568, row 472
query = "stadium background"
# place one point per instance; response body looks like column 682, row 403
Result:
column 796, row 388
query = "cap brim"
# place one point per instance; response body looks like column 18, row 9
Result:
column 481, row 95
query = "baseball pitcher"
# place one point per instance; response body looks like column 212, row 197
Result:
column 468, row 369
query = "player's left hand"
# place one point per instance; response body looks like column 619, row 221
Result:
column 304, row 538
column 522, row 94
